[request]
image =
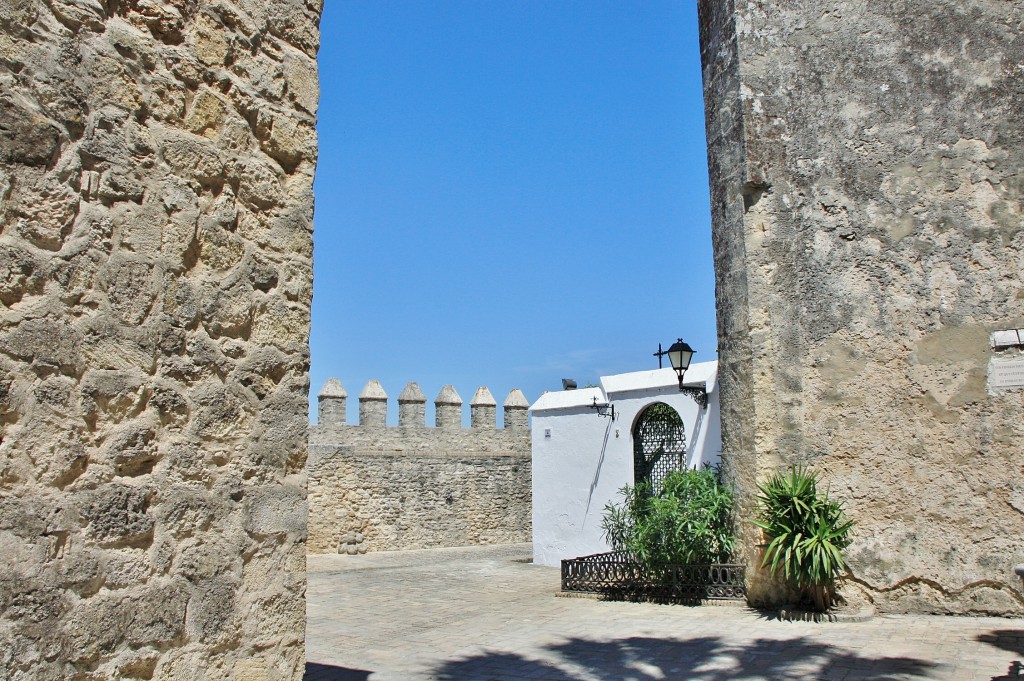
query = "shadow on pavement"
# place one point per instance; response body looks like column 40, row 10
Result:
column 1004, row 639
column 1014, row 672
column 699, row 659
column 1011, row 640
column 326, row 672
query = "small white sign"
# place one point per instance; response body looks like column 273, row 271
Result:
column 1005, row 374
column 1006, row 339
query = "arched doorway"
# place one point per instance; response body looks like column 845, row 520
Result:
column 659, row 445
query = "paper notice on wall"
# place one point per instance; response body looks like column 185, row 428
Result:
column 1006, row 373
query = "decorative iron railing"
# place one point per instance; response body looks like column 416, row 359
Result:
column 617, row 574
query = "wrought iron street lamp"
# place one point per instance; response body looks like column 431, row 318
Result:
column 679, row 356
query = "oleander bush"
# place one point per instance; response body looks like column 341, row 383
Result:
column 806, row 534
column 687, row 522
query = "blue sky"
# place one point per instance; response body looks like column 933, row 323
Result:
column 508, row 194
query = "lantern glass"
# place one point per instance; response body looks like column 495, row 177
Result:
column 679, row 356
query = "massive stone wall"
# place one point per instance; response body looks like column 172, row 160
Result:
column 378, row 488
column 156, row 168
column 867, row 173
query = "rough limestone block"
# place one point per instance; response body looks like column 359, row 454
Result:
column 448, row 409
column 412, row 407
column 331, row 403
column 866, row 202
column 156, row 166
column 373, row 405
column 483, row 409
column 516, row 409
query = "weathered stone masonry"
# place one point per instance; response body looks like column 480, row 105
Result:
column 376, row 488
column 156, row 168
column 156, row 164
column 867, row 173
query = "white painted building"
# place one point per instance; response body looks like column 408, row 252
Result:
column 582, row 459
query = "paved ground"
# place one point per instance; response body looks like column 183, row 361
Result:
column 483, row 614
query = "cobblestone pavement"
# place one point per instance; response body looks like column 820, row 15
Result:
column 485, row 614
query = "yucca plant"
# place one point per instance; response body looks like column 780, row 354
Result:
column 806, row 534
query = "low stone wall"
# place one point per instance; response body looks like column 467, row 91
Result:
column 379, row 488
column 378, row 501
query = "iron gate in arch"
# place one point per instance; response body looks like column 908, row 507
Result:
column 659, row 445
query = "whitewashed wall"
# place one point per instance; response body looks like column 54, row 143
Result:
column 581, row 460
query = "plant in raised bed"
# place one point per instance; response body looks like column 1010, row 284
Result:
column 687, row 522
column 806, row 535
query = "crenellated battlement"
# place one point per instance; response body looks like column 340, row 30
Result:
column 447, row 435
column 373, row 408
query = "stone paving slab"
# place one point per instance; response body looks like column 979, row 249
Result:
column 484, row 614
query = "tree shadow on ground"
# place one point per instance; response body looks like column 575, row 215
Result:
column 697, row 659
column 327, row 672
column 1014, row 672
column 1011, row 640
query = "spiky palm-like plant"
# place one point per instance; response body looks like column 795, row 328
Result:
column 806, row 532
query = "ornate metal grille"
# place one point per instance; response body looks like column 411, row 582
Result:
column 617, row 574
column 659, row 445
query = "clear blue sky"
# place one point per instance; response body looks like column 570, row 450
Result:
column 508, row 194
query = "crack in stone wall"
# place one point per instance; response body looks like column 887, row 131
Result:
column 867, row 181
column 156, row 168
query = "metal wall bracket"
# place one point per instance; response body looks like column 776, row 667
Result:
column 607, row 409
column 698, row 395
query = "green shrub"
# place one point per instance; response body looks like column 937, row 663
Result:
column 806, row 534
column 689, row 522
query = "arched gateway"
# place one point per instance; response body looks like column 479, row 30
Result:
column 659, row 445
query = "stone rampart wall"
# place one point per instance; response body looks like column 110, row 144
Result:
column 156, row 169
column 378, row 488
column 867, row 177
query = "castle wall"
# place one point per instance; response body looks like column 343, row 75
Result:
column 867, row 172
column 156, row 169
column 374, row 487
